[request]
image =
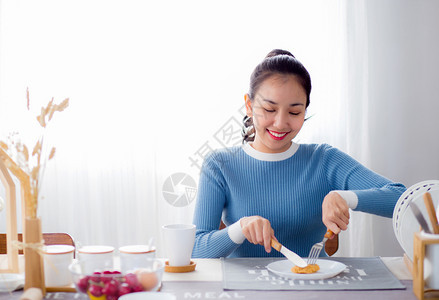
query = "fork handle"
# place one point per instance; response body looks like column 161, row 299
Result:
column 329, row 234
column 276, row 245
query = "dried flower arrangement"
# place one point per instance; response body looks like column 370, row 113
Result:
column 29, row 169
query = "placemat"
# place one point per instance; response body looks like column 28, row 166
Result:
column 366, row 273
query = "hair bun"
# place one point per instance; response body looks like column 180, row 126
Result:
column 277, row 52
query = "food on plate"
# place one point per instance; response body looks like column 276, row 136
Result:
column 306, row 270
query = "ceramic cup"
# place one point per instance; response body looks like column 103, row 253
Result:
column 95, row 258
column 57, row 259
column 431, row 262
column 135, row 256
column 179, row 241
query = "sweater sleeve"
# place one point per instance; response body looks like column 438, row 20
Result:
column 210, row 242
column 376, row 194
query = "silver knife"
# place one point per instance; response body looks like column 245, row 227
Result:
column 419, row 217
column 293, row 257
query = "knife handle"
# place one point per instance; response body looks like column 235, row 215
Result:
column 329, row 234
column 276, row 245
column 431, row 212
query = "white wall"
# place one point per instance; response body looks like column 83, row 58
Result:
column 403, row 89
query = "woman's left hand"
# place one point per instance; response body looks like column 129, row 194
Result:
column 335, row 212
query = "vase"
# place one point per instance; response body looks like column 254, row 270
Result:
column 33, row 260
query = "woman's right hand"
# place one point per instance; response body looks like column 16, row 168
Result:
column 257, row 230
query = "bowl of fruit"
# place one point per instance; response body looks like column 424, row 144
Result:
column 112, row 284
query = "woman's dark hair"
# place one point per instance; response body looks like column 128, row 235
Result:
column 277, row 62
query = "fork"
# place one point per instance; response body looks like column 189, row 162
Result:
column 317, row 248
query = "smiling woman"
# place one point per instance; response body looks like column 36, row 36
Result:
column 272, row 188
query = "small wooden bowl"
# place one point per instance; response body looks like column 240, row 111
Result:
column 181, row 269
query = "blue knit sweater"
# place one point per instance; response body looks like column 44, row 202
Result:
column 288, row 192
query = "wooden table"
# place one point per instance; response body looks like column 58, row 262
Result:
column 206, row 283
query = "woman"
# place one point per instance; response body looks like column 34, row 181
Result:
column 272, row 187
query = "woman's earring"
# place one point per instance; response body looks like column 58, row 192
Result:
column 248, row 121
column 248, row 124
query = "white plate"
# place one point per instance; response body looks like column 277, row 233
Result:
column 148, row 296
column 404, row 222
column 405, row 199
column 10, row 282
column 328, row 269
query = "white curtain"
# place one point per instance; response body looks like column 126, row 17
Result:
column 340, row 118
column 154, row 85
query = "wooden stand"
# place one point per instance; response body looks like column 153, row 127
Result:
column 33, row 260
column 419, row 245
column 11, row 219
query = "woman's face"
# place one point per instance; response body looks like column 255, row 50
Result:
column 278, row 112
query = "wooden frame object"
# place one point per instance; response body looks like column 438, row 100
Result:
column 34, row 268
column 419, row 245
column 11, row 219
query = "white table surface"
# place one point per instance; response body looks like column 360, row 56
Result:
column 210, row 269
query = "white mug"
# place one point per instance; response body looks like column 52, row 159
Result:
column 96, row 258
column 179, row 241
column 57, row 259
column 134, row 257
column 431, row 262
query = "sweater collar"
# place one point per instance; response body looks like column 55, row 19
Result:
column 270, row 156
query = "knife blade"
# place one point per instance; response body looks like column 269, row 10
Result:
column 293, row 257
column 419, row 217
